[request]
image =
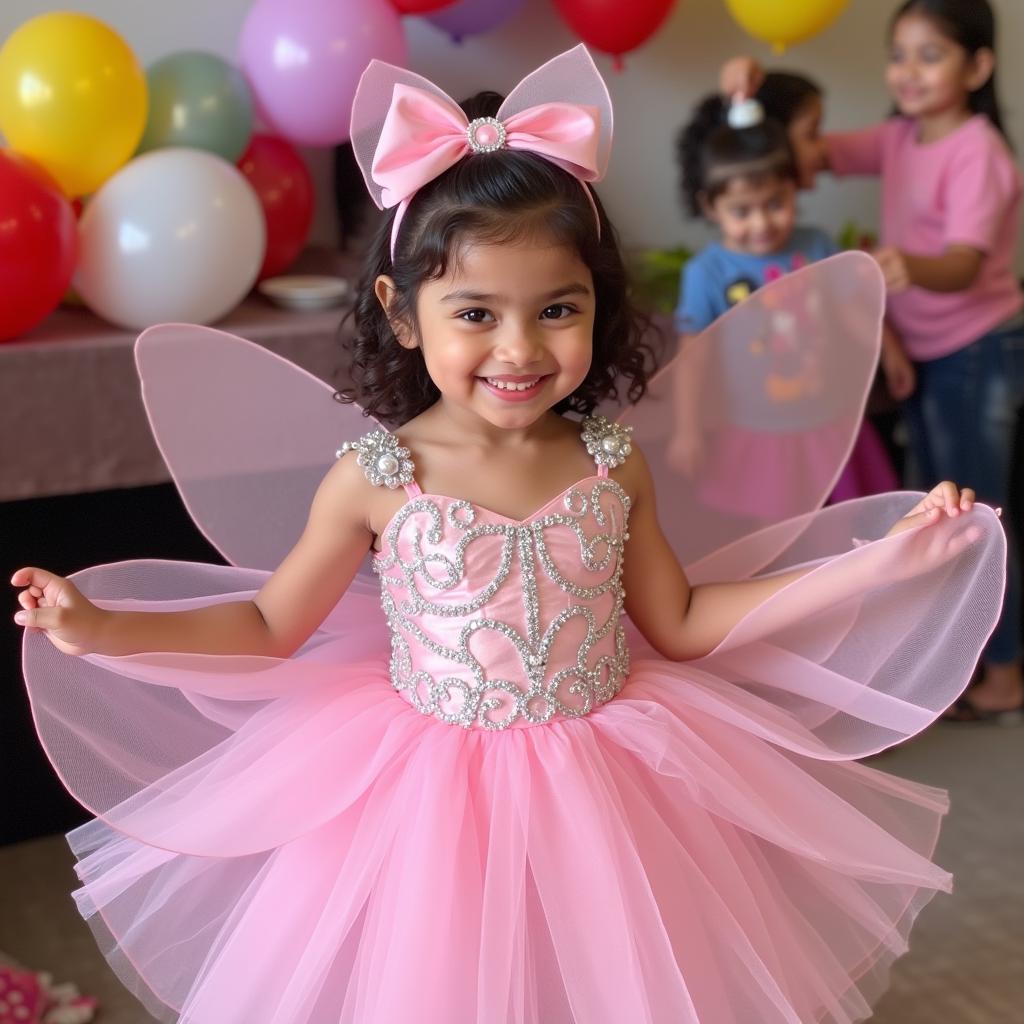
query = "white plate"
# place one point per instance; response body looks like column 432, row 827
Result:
column 306, row 292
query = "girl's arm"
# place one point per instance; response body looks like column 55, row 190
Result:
column 979, row 190
column 683, row 622
column 954, row 271
column 289, row 607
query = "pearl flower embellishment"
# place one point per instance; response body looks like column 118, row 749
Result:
column 385, row 462
column 608, row 443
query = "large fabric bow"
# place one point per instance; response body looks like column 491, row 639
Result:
column 406, row 131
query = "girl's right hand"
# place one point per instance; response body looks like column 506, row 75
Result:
column 740, row 77
column 72, row 623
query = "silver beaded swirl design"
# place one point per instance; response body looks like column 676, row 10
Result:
column 385, row 462
column 467, row 695
column 485, row 147
column 608, row 442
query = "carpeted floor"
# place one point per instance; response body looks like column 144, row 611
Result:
column 966, row 964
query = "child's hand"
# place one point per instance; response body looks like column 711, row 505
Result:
column 944, row 500
column 72, row 622
column 894, row 269
column 898, row 370
column 740, row 76
column 931, row 548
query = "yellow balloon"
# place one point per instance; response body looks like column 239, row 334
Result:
column 784, row 22
column 72, row 97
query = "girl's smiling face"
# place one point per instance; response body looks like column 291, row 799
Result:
column 755, row 216
column 928, row 73
column 507, row 333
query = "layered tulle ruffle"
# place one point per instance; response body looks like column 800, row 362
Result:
column 291, row 841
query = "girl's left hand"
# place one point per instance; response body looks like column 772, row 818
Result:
column 894, row 269
column 946, row 499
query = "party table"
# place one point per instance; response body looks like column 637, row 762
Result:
column 71, row 414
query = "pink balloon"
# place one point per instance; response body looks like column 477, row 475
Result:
column 303, row 59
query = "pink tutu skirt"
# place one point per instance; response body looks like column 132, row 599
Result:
column 291, row 841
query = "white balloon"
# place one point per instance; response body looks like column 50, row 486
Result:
column 175, row 235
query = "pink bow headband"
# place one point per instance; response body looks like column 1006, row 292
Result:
column 406, row 131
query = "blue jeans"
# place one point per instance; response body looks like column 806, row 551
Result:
column 961, row 422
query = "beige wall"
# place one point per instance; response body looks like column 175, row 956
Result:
column 652, row 96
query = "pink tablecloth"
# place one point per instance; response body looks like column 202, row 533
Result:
column 71, row 417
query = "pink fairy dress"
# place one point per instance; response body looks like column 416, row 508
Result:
column 476, row 795
column 497, row 623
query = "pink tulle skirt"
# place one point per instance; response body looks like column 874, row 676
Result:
column 290, row 841
column 655, row 861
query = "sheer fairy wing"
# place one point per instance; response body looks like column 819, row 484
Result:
column 751, row 423
column 246, row 434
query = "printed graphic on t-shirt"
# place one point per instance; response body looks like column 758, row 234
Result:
column 743, row 287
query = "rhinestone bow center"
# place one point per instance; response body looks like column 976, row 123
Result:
column 485, row 135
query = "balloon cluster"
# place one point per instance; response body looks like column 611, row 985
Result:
column 145, row 191
column 182, row 208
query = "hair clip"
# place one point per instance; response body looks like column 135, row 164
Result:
column 745, row 113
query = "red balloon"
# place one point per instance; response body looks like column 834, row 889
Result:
column 420, row 6
column 38, row 244
column 611, row 25
column 284, row 187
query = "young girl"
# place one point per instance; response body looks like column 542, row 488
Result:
column 531, row 829
column 743, row 176
column 950, row 217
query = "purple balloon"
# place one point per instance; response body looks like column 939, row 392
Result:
column 303, row 59
column 471, row 17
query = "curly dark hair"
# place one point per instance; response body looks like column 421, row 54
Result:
column 711, row 154
column 495, row 198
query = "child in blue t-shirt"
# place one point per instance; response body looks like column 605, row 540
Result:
column 718, row 277
column 739, row 172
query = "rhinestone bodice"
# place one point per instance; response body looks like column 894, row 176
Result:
column 499, row 623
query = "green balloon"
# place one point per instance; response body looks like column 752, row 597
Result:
column 199, row 100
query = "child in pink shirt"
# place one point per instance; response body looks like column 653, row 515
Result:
column 951, row 197
column 956, row 198
column 950, row 210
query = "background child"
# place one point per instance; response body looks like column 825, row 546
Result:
column 530, row 829
column 949, row 226
column 744, row 180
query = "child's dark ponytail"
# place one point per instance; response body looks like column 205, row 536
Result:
column 708, row 116
column 711, row 153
